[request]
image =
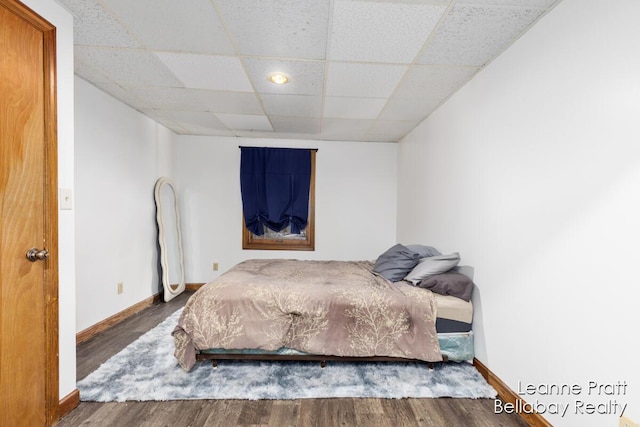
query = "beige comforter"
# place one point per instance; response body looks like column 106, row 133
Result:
column 336, row 308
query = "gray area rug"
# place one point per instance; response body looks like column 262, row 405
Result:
column 146, row 370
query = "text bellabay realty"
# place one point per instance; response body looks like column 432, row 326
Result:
column 602, row 405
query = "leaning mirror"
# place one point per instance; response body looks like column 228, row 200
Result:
column 169, row 238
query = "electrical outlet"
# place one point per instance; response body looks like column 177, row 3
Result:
column 120, row 288
column 626, row 422
column 215, row 266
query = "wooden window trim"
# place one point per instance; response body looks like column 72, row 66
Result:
column 308, row 244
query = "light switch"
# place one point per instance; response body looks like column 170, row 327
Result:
column 66, row 199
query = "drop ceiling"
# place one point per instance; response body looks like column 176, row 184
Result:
column 359, row 70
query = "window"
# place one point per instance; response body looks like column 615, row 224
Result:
column 284, row 239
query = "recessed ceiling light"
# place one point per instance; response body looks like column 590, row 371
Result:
column 278, row 78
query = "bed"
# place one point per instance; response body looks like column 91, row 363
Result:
column 322, row 310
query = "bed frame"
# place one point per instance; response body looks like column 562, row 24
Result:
column 214, row 358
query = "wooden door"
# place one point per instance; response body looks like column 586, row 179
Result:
column 28, row 219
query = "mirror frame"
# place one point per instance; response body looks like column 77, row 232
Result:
column 169, row 292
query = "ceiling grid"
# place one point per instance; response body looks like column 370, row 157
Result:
column 359, row 70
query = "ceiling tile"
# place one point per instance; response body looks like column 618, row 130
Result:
column 529, row 4
column 474, row 35
column 159, row 117
column 93, row 25
column 123, row 95
column 409, row 108
column 434, row 81
column 169, row 25
column 169, row 98
column 292, row 105
column 126, row 66
column 430, row 2
column 199, row 123
column 345, row 129
column 90, row 74
column 229, row 102
column 257, row 134
column 296, row 125
column 353, row 108
column 363, row 80
column 381, row 31
column 207, row 71
column 277, row 28
column 245, row 121
column 390, row 130
column 306, row 77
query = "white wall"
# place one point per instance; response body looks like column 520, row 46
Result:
column 532, row 173
column 355, row 201
column 119, row 155
column 63, row 22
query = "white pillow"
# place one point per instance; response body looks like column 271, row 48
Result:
column 432, row 265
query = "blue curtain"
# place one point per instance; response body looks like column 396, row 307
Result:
column 275, row 188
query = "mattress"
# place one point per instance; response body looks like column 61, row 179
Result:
column 454, row 314
column 457, row 346
column 453, row 325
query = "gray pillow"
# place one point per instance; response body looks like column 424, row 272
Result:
column 424, row 251
column 451, row 283
column 432, row 265
column 396, row 262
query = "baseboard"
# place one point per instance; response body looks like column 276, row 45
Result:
column 193, row 286
column 91, row 331
column 509, row 396
column 68, row 403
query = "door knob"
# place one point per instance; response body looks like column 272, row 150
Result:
column 34, row 254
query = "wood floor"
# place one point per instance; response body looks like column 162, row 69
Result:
column 278, row 413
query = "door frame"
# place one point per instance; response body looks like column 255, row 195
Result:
column 50, row 211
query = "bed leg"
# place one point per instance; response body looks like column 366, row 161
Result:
column 323, row 363
column 214, row 363
column 431, row 366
